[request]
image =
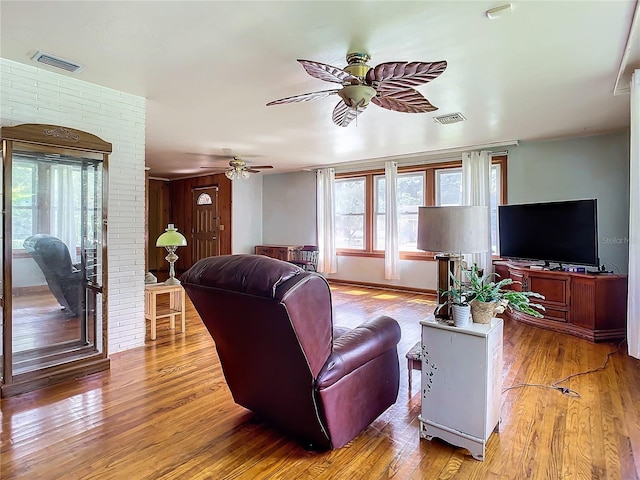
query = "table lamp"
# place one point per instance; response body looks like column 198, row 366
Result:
column 451, row 231
column 171, row 239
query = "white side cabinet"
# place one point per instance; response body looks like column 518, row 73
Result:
column 461, row 383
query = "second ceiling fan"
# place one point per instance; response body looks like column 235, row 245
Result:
column 388, row 85
column 238, row 167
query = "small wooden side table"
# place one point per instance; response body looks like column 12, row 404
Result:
column 176, row 305
column 461, row 383
column 414, row 360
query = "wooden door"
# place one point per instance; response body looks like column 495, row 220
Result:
column 206, row 220
column 158, row 214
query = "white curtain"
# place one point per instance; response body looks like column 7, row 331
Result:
column 476, row 190
column 63, row 211
column 391, row 247
column 633, row 303
column 325, row 181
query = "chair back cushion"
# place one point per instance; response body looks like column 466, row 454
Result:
column 271, row 324
column 52, row 256
column 50, row 253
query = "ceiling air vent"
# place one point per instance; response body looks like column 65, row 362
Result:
column 57, row 62
column 449, row 118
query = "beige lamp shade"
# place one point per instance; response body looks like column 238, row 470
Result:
column 171, row 238
column 458, row 229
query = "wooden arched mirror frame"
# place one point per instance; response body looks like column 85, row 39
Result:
column 54, row 231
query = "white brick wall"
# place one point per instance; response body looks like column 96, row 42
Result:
column 32, row 95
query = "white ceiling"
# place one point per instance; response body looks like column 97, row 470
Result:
column 207, row 69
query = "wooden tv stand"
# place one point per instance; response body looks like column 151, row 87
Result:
column 590, row 306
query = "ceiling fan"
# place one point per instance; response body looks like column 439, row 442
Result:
column 238, row 167
column 388, row 85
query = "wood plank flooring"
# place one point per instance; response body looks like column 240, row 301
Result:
column 165, row 412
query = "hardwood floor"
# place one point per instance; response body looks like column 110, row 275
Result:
column 165, row 412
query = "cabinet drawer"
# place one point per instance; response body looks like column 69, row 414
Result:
column 555, row 290
column 556, row 314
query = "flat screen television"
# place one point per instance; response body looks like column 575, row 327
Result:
column 559, row 232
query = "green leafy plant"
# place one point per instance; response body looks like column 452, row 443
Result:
column 458, row 293
column 482, row 289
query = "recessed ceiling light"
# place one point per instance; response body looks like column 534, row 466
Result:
column 498, row 12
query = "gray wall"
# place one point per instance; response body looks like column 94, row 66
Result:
column 578, row 168
column 588, row 167
column 246, row 214
column 289, row 209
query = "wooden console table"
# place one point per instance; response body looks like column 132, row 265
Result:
column 590, row 306
column 176, row 306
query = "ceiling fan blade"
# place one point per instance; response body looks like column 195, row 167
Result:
column 251, row 170
column 328, row 73
column 401, row 75
column 260, row 166
column 215, row 168
column 305, row 97
column 209, row 156
column 343, row 115
column 407, row 101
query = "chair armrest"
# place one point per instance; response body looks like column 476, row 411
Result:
column 357, row 347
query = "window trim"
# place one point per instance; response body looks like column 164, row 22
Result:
column 366, row 228
column 375, row 212
column 429, row 196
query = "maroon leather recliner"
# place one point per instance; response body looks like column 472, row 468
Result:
column 272, row 325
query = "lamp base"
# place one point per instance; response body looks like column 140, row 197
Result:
column 172, row 281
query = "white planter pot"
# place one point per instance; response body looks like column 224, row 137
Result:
column 461, row 315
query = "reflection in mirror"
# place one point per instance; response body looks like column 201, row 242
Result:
column 56, row 273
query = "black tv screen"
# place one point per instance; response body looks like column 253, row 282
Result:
column 559, row 232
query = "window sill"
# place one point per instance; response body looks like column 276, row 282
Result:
column 420, row 256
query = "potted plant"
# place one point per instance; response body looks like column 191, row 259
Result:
column 459, row 296
column 488, row 298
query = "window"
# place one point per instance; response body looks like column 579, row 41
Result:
column 24, row 201
column 449, row 193
column 449, row 187
column 204, row 199
column 410, row 196
column 350, row 211
column 46, row 197
column 360, row 205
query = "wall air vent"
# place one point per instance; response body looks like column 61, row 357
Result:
column 449, row 118
column 57, row 62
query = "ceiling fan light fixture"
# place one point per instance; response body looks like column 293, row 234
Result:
column 357, row 95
